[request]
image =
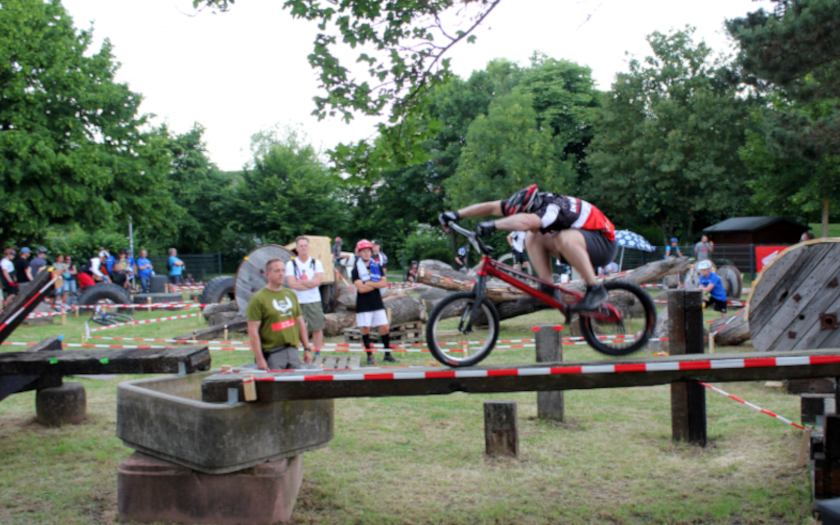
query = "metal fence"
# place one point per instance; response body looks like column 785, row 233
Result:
column 742, row 256
column 202, row 267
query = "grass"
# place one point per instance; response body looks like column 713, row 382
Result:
column 833, row 229
column 421, row 459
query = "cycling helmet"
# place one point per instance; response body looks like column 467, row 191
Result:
column 413, row 262
column 462, row 251
column 523, row 201
column 338, row 239
column 704, row 265
column 674, row 239
column 361, row 245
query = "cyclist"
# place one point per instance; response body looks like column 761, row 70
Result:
column 559, row 225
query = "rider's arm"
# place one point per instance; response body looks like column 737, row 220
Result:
column 510, row 239
column 520, row 221
column 256, row 344
column 364, row 287
column 482, row 209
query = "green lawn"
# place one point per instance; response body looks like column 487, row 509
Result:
column 833, row 229
column 421, row 459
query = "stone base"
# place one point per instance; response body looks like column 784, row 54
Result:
column 60, row 405
column 151, row 489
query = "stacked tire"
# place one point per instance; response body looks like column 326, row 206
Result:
column 218, row 290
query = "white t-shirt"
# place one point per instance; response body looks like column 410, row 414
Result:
column 9, row 266
column 305, row 272
column 518, row 239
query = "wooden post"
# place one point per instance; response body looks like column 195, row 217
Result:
column 688, row 399
column 63, row 318
column 166, row 288
column 549, row 350
column 149, row 302
column 501, row 431
column 249, row 388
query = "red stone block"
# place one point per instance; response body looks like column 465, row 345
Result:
column 151, row 489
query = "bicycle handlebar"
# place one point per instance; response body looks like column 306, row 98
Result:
column 476, row 243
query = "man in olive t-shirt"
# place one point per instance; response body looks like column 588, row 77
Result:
column 275, row 323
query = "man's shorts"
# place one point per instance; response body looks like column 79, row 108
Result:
column 519, row 257
column 282, row 358
column 313, row 314
column 375, row 318
column 601, row 250
column 719, row 306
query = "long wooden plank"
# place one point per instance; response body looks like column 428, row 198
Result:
column 25, row 302
column 170, row 360
column 499, row 378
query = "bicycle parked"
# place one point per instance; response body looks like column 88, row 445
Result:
column 463, row 328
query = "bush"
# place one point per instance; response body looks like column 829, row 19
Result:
column 81, row 244
column 428, row 242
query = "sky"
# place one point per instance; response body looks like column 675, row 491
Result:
column 246, row 70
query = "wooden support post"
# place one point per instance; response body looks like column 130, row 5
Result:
column 76, row 310
column 549, row 350
column 63, row 318
column 688, row 399
column 501, row 431
column 149, row 302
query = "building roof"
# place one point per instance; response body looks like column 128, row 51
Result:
column 751, row 224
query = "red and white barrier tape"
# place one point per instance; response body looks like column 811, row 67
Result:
column 760, row 362
column 145, row 321
column 183, row 288
column 738, row 399
column 140, row 306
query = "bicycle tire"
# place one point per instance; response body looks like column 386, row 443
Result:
column 435, row 333
column 595, row 332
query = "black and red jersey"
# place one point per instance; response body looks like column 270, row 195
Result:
column 561, row 212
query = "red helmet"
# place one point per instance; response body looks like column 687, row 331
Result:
column 525, row 200
column 361, row 245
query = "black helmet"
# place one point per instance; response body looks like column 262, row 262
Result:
column 525, row 200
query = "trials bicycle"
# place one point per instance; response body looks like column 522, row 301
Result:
column 463, row 328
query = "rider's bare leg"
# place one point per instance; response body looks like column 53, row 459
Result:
column 540, row 247
column 572, row 245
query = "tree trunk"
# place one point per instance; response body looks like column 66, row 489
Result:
column 336, row 322
column 732, row 334
column 403, row 309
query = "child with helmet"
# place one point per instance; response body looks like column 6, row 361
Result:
column 368, row 278
column 711, row 284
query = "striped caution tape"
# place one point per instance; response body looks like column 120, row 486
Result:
column 145, row 321
column 139, row 306
column 767, row 412
column 760, row 362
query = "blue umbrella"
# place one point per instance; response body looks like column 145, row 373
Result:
column 628, row 239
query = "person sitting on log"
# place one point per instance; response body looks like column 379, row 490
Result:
column 368, row 278
column 559, row 225
column 412, row 272
column 711, row 284
column 276, row 324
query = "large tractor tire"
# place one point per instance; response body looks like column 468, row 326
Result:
column 217, row 290
column 104, row 292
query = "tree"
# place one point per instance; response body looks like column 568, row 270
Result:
column 795, row 51
column 72, row 145
column 667, row 150
column 286, row 191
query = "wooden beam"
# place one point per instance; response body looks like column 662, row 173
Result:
column 25, row 302
column 512, row 378
column 170, row 360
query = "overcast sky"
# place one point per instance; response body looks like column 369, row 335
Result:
column 246, row 70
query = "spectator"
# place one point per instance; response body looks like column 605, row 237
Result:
column 711, row 284
column 131, row 273
column 370, row 310
column 807, row 236
column 412, row 273
column 109, row 261
column 272, row 315
column 22, row 271
column 336, row 250
column 38, row 262
column 7, row 275
column 517, row 243
column 59, row 271
column 380, row 258
column 175, row 266
column 703, row 249
column 673, row 250
column 188, row 280
column 71, row 272
column 120, row 270
column 461, row 260
column 144, row 270
column 609, row 269
column 304, row 275
column 95, row 268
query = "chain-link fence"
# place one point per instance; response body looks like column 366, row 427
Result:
column 201, row 267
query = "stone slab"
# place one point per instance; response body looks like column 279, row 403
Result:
column 164, row 417
column 154, row 490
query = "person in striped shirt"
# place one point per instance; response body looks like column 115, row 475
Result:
column 566, row 227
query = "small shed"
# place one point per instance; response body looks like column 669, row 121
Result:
column 756, row 230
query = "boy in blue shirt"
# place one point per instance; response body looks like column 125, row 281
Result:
column 711, row 284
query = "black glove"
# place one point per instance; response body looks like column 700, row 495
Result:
column 446, row 217
column 485, row 228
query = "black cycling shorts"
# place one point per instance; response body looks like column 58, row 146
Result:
column 519, row 257
column 601, row 250
column 719, row 306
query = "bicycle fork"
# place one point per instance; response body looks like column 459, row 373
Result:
column 479, row 298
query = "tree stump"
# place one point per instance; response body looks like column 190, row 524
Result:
column 501, row 430
column 795, row 302
column 61, row 405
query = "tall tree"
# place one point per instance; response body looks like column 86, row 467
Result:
column 72, row 145
column 796, row 51
column 667, row 150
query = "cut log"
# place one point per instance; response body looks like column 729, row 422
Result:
column 336, row 322
column 403, row 310
column 731, row 330
column 795, row 302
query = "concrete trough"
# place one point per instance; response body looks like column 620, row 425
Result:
column 164, row 417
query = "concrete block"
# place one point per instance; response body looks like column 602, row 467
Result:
column 164, row 417
column 60, row 405
column 154, row 490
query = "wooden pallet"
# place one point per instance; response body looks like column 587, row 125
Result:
column 412, row 332
column 331, row 362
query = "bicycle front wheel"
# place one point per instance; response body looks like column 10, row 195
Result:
column 624, row 334
column 457, row 338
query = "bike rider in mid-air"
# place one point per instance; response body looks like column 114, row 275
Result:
column 560, row 225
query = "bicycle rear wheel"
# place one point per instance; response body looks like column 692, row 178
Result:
column 624, row 335
column 447, row 335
